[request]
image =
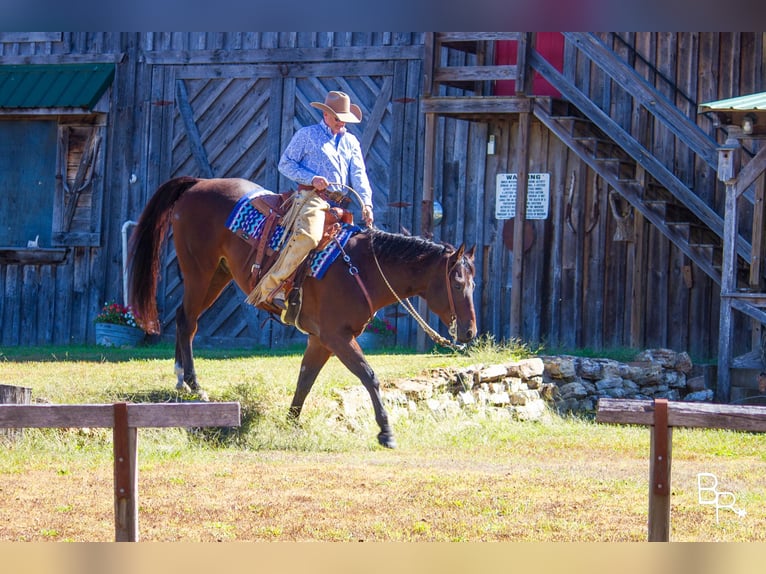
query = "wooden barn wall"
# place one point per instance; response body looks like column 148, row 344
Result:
column 56, row 303
column 579, row 283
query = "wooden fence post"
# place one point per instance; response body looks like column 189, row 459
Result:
column 662, row 415
column 12, row 395
column 124, row 419
column 125, row 476
column 659, row 474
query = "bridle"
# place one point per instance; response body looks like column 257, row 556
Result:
column 433, row 334
column 430, row 331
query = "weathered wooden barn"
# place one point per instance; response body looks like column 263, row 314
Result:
column 636, row 231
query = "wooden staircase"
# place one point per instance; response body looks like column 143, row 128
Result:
column 656, row 193
column 704, row 235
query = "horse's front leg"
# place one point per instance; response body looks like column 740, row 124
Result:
column 314, row 358
column 350, row 354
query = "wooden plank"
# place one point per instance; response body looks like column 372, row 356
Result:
column 125, row 449
column 478, row 105
column 701, row 210
column 555, row 236
column 653, row 101
column 295, row 70
column 659, row 474
column 286, row 55
column 637, row 295
column 195, row 141
column 682, row 414
column 475, row 73
column 728, row 285
column 751, row 171
column 477, row 36
column 522, row 171
column 158, row 415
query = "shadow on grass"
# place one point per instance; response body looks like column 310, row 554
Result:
column 164, row 350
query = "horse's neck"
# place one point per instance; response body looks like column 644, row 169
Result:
column 406, row 281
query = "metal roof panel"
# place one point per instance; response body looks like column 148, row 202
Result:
column 751, row 102
column 54, row 86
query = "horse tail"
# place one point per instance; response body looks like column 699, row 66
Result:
column 146, row 242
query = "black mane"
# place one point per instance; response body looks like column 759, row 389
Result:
column 405, row 248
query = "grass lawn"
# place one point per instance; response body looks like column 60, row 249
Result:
column 470, row 477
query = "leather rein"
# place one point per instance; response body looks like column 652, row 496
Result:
column 353, row 270
column 430, row 331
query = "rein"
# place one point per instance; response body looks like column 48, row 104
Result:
column 430, row 331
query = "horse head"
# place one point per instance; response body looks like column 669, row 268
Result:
column 452, row 294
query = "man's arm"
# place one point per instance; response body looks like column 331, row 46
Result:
column 290, row 162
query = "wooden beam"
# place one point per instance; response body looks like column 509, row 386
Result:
column 684, row 414
column 427, row 207
column 456, row 105
column 728, row 285
column 752, row 170
column 195, row 140
column 659, row 474
column 522, row 171
column 477, row 36
column 475, row 73
column 288, row 56
column 645, row 94
column 125, row 441
column 102, row 416
column 124, row 419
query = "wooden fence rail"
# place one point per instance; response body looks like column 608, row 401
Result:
column 124, row 419
column 662, row 416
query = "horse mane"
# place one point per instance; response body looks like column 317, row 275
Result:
column 406, row 248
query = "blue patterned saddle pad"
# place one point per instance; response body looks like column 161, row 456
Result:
column 248, row 222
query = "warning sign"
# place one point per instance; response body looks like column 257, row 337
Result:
column 538, row 195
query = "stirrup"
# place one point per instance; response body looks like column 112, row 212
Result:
column 294, row 300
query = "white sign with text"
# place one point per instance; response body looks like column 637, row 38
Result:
column 538, row 195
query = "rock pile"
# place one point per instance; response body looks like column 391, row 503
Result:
column 527, row 389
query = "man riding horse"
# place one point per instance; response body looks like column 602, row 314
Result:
column 317, row 157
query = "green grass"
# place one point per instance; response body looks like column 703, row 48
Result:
column 468, row 477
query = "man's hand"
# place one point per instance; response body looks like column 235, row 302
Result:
column 367, row 215
column 319, row 182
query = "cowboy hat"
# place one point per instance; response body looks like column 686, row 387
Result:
column 339, row 105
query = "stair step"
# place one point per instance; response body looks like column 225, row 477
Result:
column 600, row 147
column 624, row 170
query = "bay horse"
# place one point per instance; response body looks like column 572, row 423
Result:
column 335, row 309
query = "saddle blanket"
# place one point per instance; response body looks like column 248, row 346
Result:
column 249, row 222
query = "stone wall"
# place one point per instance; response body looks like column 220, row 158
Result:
column 530, row 388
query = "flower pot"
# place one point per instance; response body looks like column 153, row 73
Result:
column 110, row 335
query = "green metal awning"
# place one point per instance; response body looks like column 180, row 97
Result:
column 54, row 86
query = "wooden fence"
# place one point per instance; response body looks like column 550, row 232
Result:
column 125, row 420
column 662, row 416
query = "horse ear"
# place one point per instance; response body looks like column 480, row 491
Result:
column 460, row 252
column 471, row 252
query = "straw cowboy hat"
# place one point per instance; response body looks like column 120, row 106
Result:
column 339, row 104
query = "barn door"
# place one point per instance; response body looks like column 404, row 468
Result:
column 238, row 127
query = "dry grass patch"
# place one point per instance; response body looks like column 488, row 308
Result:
column 466, row 478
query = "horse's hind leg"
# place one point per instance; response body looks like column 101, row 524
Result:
column 314, row 358
column 196, row 299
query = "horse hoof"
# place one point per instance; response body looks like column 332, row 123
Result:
column 202, row 396
column 182, row 387
column 387, row 440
